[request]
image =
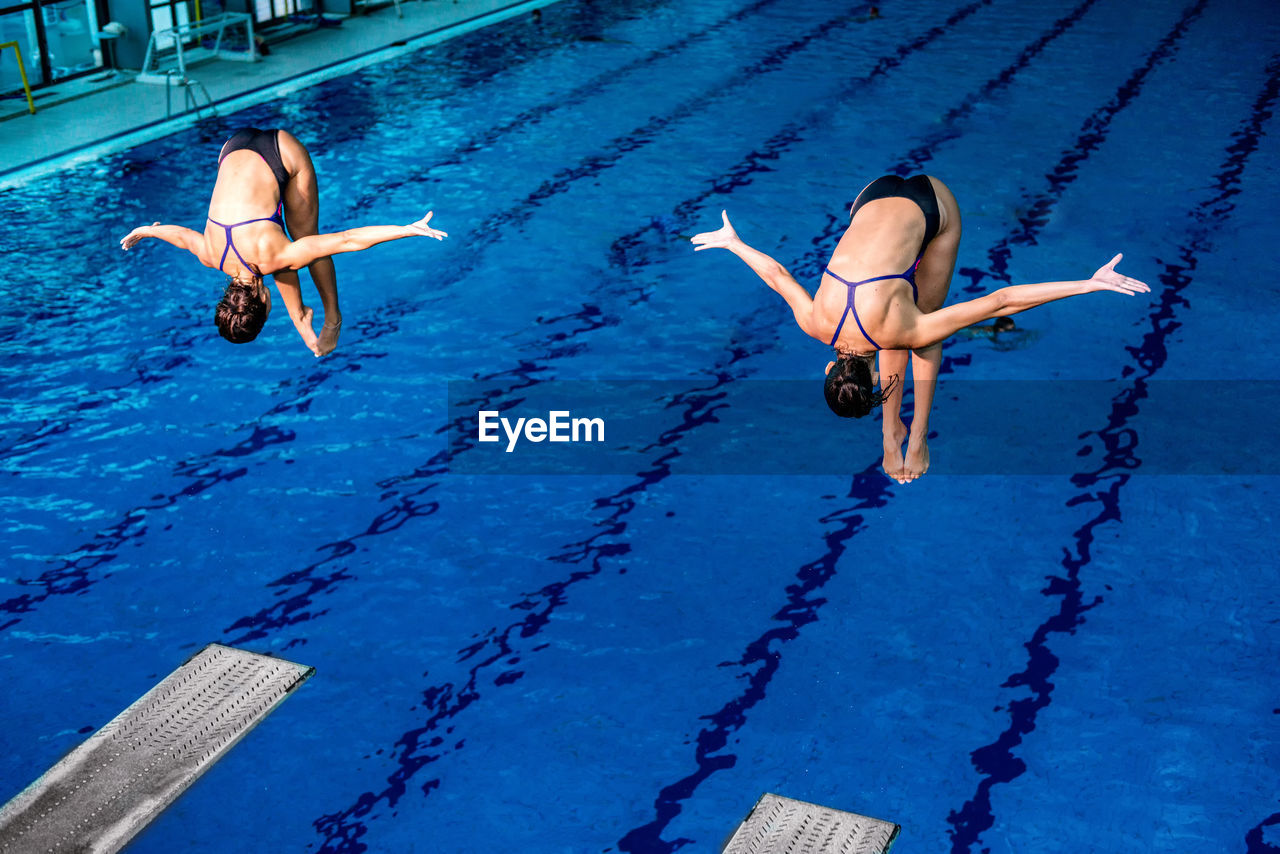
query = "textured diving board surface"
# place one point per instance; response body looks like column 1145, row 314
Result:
column 779, row 825
column 110, row 787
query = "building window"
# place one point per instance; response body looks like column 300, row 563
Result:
column 71, row 36
column 58, row 39
column 167, row 14
column 268, row 11
column 20, row 27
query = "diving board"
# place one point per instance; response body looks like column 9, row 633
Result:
column 778, row 825
column 111, row 786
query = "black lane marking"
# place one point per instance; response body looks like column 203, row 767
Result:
column 1103, row 485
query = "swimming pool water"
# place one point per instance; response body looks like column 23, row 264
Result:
column 1074, row 656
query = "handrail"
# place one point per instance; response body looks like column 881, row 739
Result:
column 189, row 99
column 22, row 69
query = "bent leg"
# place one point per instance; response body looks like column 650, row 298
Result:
column 933, row 278
column 302, row 214
column 300, row 314
column 925, row 364
column 893, row 363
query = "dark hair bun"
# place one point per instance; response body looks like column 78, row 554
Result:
column 848, row 388
column 241, row 313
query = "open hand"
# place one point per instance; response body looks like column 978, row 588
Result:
column 1107, row 279
column 127, row 242
column 722, row 238
column 425, row 230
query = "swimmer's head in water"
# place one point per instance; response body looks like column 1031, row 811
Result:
column 850, row 386
column 243, row 310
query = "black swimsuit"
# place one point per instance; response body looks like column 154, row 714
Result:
column 266, row 143
column 919, row 190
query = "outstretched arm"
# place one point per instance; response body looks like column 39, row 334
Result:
column 773, row 273
column 936, row 326
column 306, row 250
column 183, row 238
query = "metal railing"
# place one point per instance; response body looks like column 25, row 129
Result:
column 22, row 69
column 189, row 100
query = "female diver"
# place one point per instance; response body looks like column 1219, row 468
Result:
column 912, row 225
column 261, row 171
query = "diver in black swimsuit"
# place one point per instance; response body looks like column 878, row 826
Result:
column 911, row 225
column 270, row 170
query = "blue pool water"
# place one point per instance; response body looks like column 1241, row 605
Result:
column 1069, row 656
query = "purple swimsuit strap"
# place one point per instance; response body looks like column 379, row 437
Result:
column 277, row 218
column 909, row 275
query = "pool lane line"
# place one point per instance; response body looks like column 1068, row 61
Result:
column 1103, row 485
column 916, row 159
column 1091, row 137
column 576, row 96
column 86, row 565
column 613, row 151
column 870, row 491
column 793, row 132
column 1254, row 840
column 344, row 828
column 740, row 174
column 423, row 745
column 90, row 151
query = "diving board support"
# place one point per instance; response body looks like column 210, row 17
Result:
column 778, row 825
column 110, row 787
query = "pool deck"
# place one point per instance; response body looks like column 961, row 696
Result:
column 82, row 120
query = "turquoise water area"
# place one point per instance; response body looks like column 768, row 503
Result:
column 1067, row 646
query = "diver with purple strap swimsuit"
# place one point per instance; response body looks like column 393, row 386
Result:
column 288, row 181
column 915, row 217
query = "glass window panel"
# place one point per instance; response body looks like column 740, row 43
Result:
column 19, row 27
column 70, row 29
column 272, row 10
column 165, row 15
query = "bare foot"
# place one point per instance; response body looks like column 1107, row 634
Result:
column 916, row 462
column 894, row 436
column 328, row 337
column 303, row 325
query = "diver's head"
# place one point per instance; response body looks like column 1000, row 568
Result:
column 242, row 310
column 850, row 386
